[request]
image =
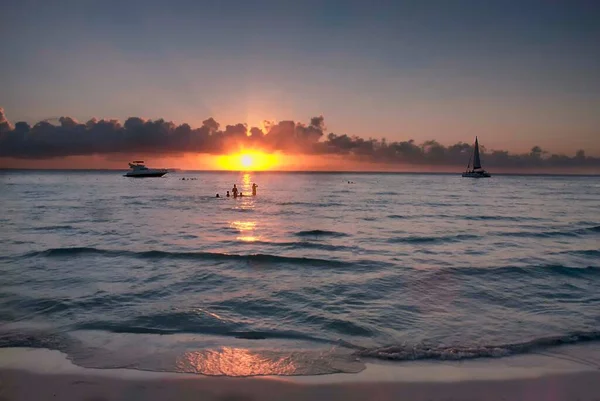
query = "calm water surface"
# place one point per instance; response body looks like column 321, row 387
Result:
column 314, row 275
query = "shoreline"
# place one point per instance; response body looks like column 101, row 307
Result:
column 41, row 374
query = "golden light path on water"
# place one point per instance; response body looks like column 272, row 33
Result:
column 245, row 228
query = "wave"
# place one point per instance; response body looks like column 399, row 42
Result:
column 295, row 245
column 310, row 204
column 396, row 216
column 155, row 254
column 35, row 338
column 594, row 229
column 459, row 352
column 537, row 234
column 163, row 326
column 320, row 233
column 583, row 252
column 57, row 227
column 166, row 323
column 310, row 245
column 296, row 204
column 500, row 218
column 559, row 270
column 550, row 234
column 188, row 236
column 429, row 239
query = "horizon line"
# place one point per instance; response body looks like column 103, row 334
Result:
column 178, row 171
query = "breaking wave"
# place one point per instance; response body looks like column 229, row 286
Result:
column 155, row 254
column 431, row 239
column 461, row 352
column 320, row 233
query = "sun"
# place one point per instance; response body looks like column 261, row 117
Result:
column 248, row 161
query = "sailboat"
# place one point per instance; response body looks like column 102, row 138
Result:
column 476, row 171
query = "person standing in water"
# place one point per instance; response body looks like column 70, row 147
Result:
column 254, row 186
column 228, row 194
column 234, row 191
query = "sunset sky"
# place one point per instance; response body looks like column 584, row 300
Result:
column 516, row 73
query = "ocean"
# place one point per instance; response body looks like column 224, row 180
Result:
column 319, row 273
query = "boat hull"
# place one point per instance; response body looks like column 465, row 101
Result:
column 146, row 175
column 476, row 174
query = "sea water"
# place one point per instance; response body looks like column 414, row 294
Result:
column 317, row 274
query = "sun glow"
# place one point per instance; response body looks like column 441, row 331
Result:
column 248, row 161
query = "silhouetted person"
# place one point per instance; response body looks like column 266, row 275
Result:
column 228, row 194
column 218, row 196
column 234, row 191
column 254, row 186
column 241, row 194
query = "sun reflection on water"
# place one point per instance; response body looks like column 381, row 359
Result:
column 246, row 229
column 247, row 185
column 232, row 361
column 243, row 226
column 248, row 238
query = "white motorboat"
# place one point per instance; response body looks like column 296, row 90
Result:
column 477, row 171
column 139, row 170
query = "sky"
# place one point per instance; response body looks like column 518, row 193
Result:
column 515, row 73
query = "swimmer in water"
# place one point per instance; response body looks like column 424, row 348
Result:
column 228, row 194
column 217, row 196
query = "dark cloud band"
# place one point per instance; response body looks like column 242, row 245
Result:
column 139, row 136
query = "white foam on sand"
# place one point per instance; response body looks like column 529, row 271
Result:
column 567, row 373
column 561, row 360
column 45, row 361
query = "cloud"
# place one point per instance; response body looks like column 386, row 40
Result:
column 159, row 137
column 4, row 123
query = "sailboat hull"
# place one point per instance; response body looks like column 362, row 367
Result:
column 476, row 174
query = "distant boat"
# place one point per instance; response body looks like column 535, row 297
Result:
column 139, row 170
column 477, row 171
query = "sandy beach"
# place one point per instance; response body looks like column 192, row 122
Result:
column 37, row 374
